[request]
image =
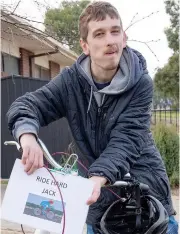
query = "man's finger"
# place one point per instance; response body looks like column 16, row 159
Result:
column 41, row 159
column 29, row 161
column 35, row 164
column 25, row 155
column 94, row 197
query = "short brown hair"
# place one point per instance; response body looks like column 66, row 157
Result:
column 96, row 11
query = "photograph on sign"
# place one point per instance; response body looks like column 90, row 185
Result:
column 44, row 208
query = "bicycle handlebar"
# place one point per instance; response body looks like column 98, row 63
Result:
column 13, row 143
column 47, row 155
column 54, row 164
column 142, row 186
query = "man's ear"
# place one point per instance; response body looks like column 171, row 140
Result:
column 84, row 46
column 125, row 38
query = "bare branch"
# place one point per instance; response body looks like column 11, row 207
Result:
column 29, row 20
column 16, row 6
column 146, row 43
column 145, row 17
column 133, row 18
column 39, row 4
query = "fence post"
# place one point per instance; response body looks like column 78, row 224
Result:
column 170, row 116
column 165, row 114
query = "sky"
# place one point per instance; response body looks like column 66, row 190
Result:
column 151, row 28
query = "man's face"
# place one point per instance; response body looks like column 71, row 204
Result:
column 105, row 42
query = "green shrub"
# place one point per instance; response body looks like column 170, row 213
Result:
column 174, row 180
column 167, row 141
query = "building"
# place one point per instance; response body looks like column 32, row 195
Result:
column 29, row 52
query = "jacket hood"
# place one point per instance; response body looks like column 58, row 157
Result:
column 131, row 67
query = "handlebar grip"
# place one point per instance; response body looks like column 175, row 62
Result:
column 120, row 183
column 144, row 187
column 14, row 143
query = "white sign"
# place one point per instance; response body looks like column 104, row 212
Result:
column 34, row 200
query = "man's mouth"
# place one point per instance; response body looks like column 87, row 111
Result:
column 110, row 52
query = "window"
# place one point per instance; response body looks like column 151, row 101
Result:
column 10, row 64
column 42, row 73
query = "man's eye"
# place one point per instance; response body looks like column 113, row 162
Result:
column 99, row 34
column 115, row 31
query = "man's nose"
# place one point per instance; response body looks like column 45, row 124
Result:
column 110, row 40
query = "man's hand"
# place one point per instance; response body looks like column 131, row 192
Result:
column 99, row 182
column 32, row 156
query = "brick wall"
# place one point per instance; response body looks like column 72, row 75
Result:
column 54, row 69
column 25, row 63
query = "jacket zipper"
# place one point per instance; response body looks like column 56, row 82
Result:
column 98, row 125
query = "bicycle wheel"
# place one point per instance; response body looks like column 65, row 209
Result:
column 37, row 211
column 50, row 215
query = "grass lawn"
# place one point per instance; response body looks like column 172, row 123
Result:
column 4, row 181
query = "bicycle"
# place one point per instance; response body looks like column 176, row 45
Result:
column 134, row 212
column 49, row 214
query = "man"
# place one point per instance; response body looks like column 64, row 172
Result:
column 46, row 204
column 106, row 97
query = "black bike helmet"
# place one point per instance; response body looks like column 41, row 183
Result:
column 122, row 217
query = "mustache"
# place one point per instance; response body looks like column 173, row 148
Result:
column 111, row 50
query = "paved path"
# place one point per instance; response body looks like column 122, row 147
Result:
column 12, row 228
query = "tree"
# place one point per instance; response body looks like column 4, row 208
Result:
column 167, row 78
column 63, row 23
column 172, row 33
